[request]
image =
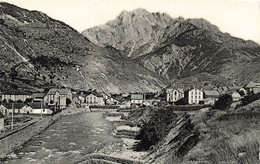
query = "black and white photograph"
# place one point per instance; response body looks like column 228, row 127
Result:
column 130, row 81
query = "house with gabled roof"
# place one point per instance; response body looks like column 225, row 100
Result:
column 194, row 95
column 174, row 94
column 93, row 99
column 40, row 97
column 59, row 96
column 36, row 108
column 210, row 97
column 4, row 110
column 236, row 95
column 252, row 87
column 137, row 99
column 15, row 108
column 112, row 101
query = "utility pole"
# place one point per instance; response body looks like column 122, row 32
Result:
column 12, row 124
column 41, row 109
column 55, row 107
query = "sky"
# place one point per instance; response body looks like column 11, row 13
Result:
column 240, row 18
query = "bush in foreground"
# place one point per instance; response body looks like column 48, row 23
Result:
column 156, row 128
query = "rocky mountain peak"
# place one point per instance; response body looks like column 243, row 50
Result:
column 204, row 24
column 177, row 48
column 134, row 32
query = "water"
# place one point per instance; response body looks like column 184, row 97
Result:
column 67, row 140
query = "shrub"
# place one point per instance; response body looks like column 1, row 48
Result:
column 155, row 129
column 250, row 98
column 182, row 101
column 223, row 102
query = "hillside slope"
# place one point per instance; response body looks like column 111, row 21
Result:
column 179, row 48
column 38, row 51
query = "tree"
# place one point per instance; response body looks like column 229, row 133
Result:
column 250, row 98
column 224, row 102
column 181, row 101
column 155, row 129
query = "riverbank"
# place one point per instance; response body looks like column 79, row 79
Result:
column 19, row 137
column 126, row 151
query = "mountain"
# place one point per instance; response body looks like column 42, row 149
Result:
column 40, row 52
column 179, row 48
column 135, row 33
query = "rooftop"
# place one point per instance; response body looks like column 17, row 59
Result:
column 62, row 91
column 38, row 95
column 211, row 93
column 137, row 97
column 15, row 105
column 252, row 85
column 37, row 105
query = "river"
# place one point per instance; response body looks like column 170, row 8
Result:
column 67, row 140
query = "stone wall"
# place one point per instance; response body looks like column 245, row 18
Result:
column 14, row 141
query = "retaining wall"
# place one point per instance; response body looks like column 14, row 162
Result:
column 14, row 141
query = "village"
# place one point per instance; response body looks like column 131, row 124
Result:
column 21, row 106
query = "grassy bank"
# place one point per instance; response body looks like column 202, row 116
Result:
column 227, row 137
column 223, row 136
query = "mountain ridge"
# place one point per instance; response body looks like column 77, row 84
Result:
column 179, row 48
column 60, row 56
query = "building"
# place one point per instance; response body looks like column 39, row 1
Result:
column 105, row 95
column 76, row 102
column 36, row 108
column 61, row 97
column 236, row 96
column 112, row 101
column 15, row 108
column 40, row 97
column 2, row 122
column 173, row 95
column 94, row 99
column 222, row 90
column 4, row 110
column 137, row 99
column 15, row 96
column 256, row 90
column 252, row 87
column 194, row 96
column 210, row 97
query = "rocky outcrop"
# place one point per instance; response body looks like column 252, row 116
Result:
column 38, row 51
